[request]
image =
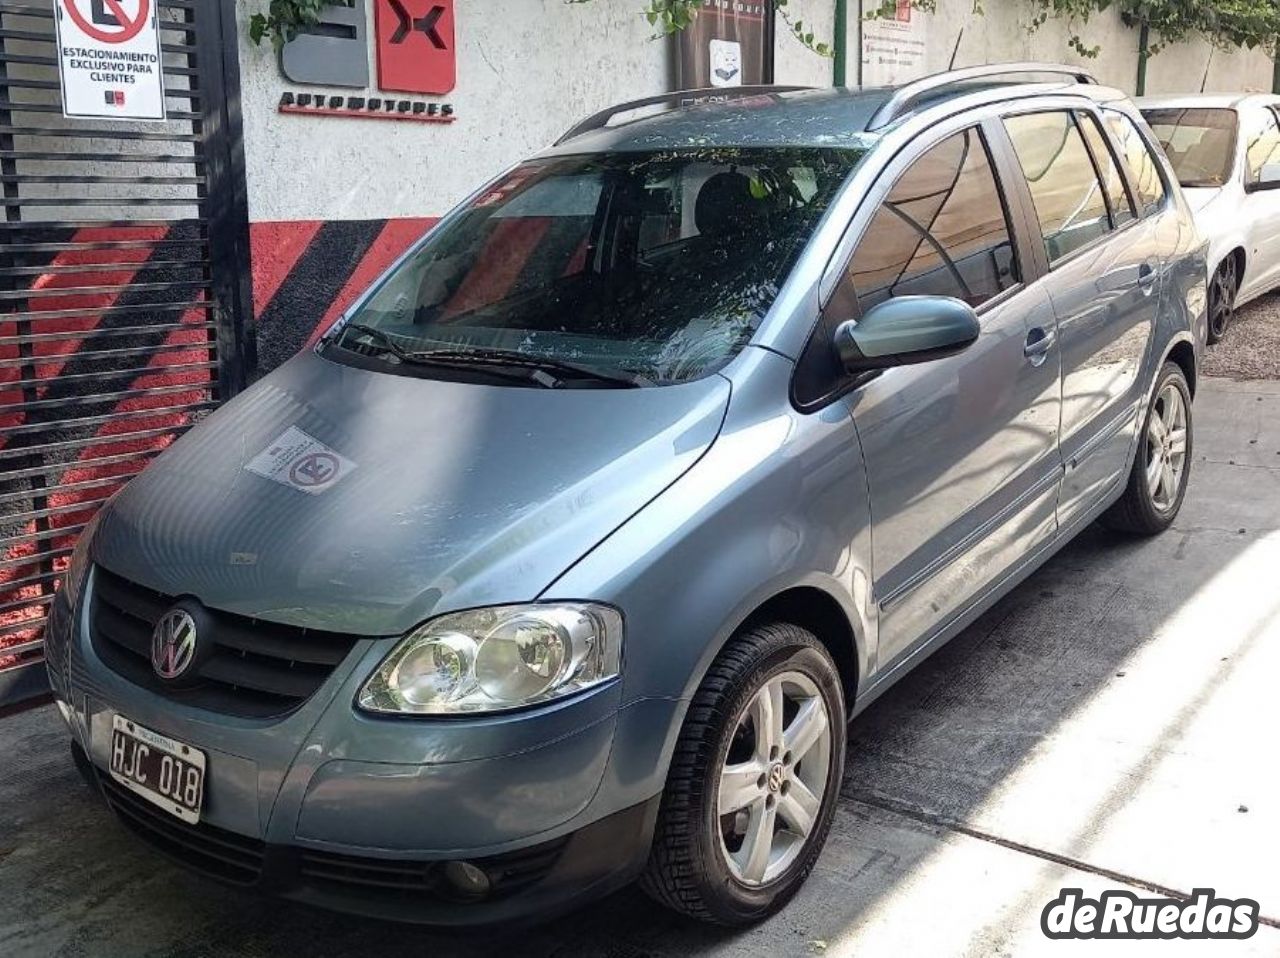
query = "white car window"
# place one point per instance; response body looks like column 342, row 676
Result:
column 1262, row 143
column 1135, row 153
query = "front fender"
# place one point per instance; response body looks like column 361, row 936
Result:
column 779, row 501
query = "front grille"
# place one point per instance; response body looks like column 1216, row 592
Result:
column 369, row 873
column 508, row 874
column 214, row 851
column 256, row 669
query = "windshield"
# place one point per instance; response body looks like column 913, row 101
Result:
column 1201, row 143
column 656, row 266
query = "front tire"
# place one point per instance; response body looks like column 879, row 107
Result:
column 1222, row 298
column 754, row 780
column 1158, row 481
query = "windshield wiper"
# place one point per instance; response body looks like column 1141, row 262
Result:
column 561, row 368
column 493, row 357
column 382, row 339
column 389, row 345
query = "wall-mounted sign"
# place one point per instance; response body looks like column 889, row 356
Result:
column 730, row 43
column 893, row 48
column 416, row 50
column 109, row 59
column 367, row 108
column 335, row 52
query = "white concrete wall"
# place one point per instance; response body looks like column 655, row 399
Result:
column 527, row 70
column 1004, row 33
column 794, row 62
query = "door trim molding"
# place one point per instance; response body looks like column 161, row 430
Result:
column 1038, row 488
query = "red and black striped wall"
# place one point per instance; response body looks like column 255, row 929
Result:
column 106, row 356
column 305, row 273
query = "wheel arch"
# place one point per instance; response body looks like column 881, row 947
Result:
column 1183, row 353
column 1234, row 250
column 817, row 611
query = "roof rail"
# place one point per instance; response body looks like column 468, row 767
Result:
column 908, row 93
column 678, row 99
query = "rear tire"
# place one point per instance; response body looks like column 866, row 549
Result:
column 1222, row 298
column 707, row 859
column 1158, row 481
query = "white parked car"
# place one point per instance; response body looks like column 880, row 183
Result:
column 1225, row 151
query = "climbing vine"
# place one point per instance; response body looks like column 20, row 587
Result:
column 1225, row 23
column 672, row 16
column 284, row 19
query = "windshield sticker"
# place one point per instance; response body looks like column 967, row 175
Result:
column 301, row 462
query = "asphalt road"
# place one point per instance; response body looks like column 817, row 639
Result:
column 1110, row 724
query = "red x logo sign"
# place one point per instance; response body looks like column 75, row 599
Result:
column 416, row 52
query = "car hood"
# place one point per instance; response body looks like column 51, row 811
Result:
column 449, row 495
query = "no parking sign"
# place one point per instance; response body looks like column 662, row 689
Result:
column 109, row 59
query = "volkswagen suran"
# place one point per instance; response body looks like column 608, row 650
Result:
column 566, row 555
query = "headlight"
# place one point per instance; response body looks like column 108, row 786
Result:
column 489, row 660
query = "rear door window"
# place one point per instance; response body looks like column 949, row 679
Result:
column 1068, row 197
column 1144, row 169
column 942, row 231
column 1104, row 159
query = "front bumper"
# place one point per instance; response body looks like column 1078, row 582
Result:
column 531, row 884
column 363, row 814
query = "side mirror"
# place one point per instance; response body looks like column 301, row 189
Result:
column 906, row 330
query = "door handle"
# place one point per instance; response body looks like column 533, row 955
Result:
column 1039, row 341
column 1146, row 278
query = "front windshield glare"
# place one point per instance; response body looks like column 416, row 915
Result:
column 1200, row 143
column 653, row 266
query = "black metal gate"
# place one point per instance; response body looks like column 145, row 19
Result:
column 123, row 293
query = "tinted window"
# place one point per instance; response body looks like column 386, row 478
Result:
column 1200, row 143
column 941, row 231
column 1262, row 146
column 1144, row 172
column 1064, row 186
column 1112, row 181
column 659, row 265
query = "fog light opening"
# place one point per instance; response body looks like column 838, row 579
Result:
column 468, row 880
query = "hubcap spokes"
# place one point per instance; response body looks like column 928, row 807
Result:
column 773, row 779
column 1167, row 448
column 1223, row 305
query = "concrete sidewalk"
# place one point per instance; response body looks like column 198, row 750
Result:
column 1111, row 724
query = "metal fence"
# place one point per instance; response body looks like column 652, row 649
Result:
column 123, row 294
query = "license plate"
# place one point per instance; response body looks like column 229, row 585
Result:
column 166, row 773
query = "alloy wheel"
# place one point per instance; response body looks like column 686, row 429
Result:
column 774, row 778
column 1167, row 447
column 1222, row 303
